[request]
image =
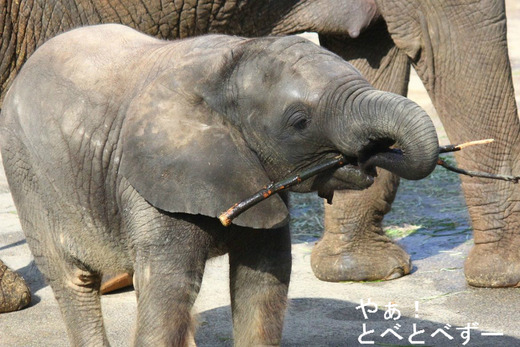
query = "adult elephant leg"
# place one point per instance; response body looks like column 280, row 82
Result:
column 354, row 246
column 460, row 52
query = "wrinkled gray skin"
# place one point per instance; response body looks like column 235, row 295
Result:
column 120, row 151
column 459, row 49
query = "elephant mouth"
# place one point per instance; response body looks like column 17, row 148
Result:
column 351, row 176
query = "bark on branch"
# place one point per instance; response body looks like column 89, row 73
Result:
column 460, row 171
column 227, row 217
column 233, row 212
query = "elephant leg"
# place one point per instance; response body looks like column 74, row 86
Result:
column 354, row 246
column 75, row 287
column 465, row 67
column 41, row 215
column 77, row 293
column 14, row 293
column 260, row 268
column 167, row 278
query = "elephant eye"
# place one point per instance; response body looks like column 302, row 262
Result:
column 299, row 120
column 301, row 124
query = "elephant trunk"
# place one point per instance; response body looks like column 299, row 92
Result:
column 388, row 131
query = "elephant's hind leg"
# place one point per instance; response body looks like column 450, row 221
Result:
column 77, row 292
column 354, row 246
column 75, row 288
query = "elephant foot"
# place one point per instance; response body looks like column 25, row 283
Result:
column 488, row 265
column 14, row 293
column 370, row 259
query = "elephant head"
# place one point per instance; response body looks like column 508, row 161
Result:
column 202, row 138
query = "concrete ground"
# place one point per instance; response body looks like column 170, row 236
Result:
column 426, row 307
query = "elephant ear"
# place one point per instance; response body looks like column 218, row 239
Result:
column 181, row 156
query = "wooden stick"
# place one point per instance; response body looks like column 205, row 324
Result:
column 458, row 170
column 227, row 217
column 275, row 187
column 454, row 148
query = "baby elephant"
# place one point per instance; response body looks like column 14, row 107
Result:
column 121, row 150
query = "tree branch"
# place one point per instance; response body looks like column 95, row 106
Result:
column 460, row 171
column 275, row 187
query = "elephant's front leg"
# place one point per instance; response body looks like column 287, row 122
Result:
column 260, row 268
column 167, row 279
column 354, row 246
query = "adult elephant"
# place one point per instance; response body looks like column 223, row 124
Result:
column 459, row 49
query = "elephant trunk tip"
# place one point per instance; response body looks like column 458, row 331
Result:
column 385, row 153
column 371, row 150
